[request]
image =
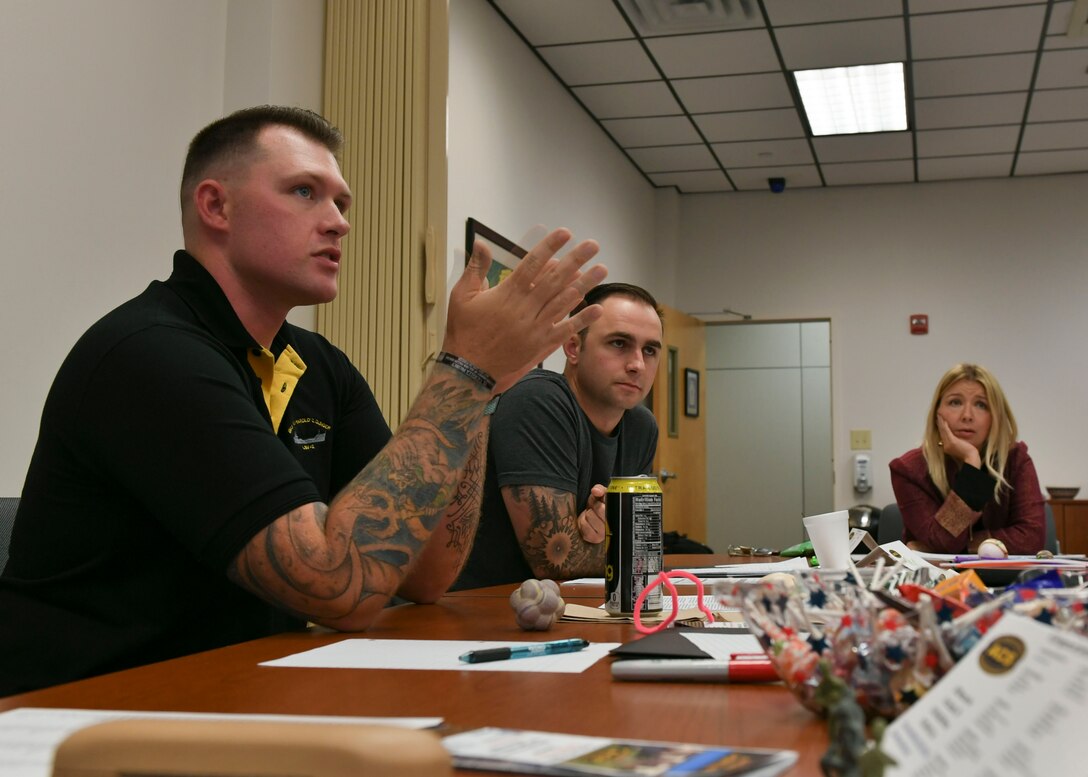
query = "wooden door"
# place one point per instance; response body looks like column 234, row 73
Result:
column 680, row 463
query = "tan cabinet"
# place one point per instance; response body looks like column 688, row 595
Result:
column 1071, row 524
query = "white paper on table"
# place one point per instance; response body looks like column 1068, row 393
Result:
column 437, row 654
column 751, row 570
column 584, row 581
column 690, row 602
column 722, row 646
column 1057, row 561
column 1015, row 704
column 29, row 736
column 707, row 575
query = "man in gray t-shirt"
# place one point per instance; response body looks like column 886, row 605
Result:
column 556, row 441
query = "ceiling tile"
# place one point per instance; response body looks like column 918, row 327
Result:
column 786, row 12
column 1068, row 67
column 1060, row 14
column 847, row 43
column 868, row 172
column 755, row 178
column 763, row 153
column 734, row 93
column 645, row 98
column 994, row 31
column 864, row 147
column 949, row 168
column 969, row 111
column 600, row 63
column 945, row 77
column 1063, row 41
column 939, row 6
column 663, row 131
column 726, row 53
column 1059, row 105
column 565, row 21
column 750, row 125
column 1058, row 30
column 975, row 140
column 662, row 159
column 708, row 181
column 1048, row 162
column 1055, row 135
column 685, row 101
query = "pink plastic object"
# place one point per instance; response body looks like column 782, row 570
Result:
column 664, row 579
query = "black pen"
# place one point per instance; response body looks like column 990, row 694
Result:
column 524, row 651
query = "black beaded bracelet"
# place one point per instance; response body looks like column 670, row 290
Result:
column 466, row 368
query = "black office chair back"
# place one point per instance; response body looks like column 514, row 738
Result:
column 1051, row 542
column 9, row 505
column 890, row 526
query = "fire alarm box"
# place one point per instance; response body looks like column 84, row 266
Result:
column 919, row 324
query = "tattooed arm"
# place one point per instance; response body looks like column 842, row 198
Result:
column 339, row 565
column 547, row 524
column 447, row 551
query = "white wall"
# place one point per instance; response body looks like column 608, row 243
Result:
column 1000, row 267
column 100, row 101
column 523, row 153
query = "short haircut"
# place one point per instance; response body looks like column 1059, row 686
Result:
column 232, row 137
column 602, row 292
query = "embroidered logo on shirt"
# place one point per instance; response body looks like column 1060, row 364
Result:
column 308, row 433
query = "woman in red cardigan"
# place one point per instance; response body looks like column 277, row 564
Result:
column 971, row 479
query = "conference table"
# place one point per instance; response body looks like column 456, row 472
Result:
column 230, row 680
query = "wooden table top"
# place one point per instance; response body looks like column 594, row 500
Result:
column 230, row 680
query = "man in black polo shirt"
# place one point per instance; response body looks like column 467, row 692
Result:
column 207, row 473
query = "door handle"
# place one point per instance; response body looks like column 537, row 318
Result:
column 665, row 475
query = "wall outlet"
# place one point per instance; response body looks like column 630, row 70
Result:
column 861, row 440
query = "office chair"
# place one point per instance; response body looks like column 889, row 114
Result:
column 1051, row 542
column 9, row 505
column 890, row 526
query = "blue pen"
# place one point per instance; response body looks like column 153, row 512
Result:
column 524, row 651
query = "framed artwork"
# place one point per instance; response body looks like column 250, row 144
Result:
column 505, row 253
column 691, row 393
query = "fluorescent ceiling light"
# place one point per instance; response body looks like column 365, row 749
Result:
column 846, row 100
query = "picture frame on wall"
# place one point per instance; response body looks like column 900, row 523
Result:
column 505, row 253
column 691, row 393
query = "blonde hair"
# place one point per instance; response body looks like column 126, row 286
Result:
column 1002, row 436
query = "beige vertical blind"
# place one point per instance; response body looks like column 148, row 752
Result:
column 385, row 87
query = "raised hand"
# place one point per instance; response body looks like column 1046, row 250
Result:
column 505, row 331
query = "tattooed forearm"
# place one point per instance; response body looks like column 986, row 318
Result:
column 326, row 563
column 545, row 520
column 463, row 515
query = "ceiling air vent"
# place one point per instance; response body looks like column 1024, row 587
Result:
column 674, row 17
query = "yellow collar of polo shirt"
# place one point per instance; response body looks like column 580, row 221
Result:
column 278, row 378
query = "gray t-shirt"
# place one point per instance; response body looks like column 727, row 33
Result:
column 540, row 436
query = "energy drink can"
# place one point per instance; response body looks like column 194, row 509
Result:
column 635, row 545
